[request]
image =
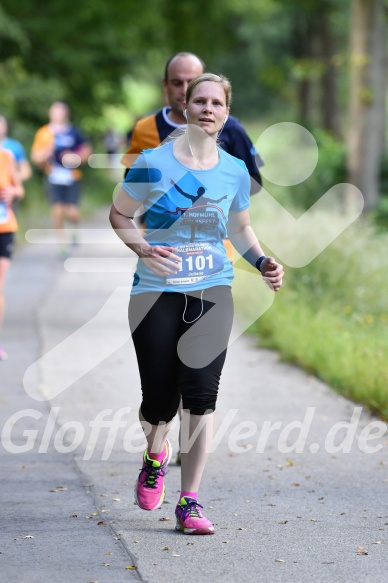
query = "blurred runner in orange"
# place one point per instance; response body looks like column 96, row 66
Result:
column 11, row 189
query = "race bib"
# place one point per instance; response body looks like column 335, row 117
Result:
column 4, row 214
column 199, row 261
column 61, row 175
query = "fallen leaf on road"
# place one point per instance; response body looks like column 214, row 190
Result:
column 131, row 567
column 279, row 561
column 289, row 463
column 73, row 515
column 164, row 519
column 377, row 542
column 165, row 548
column 296, row 484
column 361, row 551
column 283, row 522
column 175, row 555
column 100, row 523
column 106, row 564
column 116, row 499
column 108, row 553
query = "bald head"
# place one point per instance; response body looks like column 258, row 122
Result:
column 180, row 70
column 185, row 60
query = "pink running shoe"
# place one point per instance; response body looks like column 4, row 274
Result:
column 189, row 519
column 149, row 487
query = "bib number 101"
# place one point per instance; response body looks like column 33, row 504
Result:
column 198, row 263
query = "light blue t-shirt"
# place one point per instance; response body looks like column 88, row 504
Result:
column 187, row 209
column 15, row 147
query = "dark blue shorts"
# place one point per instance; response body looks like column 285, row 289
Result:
column 64, row 193
column 6, row 244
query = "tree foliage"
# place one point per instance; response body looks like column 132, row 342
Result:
column 284, row 57
column 82, row 52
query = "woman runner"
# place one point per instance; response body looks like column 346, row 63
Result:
column 181, row 307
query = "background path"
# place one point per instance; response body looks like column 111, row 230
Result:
column 280, row 516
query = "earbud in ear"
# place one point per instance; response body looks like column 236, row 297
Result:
column 185, row 113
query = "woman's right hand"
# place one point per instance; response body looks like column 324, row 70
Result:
column 161, row 260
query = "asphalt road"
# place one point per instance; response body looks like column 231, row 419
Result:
column 294, row 497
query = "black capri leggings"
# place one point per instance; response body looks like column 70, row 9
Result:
column 180, row 342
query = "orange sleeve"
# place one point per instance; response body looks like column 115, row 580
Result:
column 7, row 161
column 145, row 135
column 44, row 137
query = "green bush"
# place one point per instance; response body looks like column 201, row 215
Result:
column 330, row 170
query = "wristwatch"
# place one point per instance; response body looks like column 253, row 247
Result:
column 260, row 261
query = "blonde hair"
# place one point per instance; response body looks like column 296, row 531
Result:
column 220, row 79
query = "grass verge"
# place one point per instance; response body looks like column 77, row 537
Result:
column 331, row 316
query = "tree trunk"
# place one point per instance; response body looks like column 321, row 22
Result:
column 367, row 110
column 329, row 100
column 303, row 53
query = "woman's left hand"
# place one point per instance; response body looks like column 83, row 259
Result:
column 272, row 273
